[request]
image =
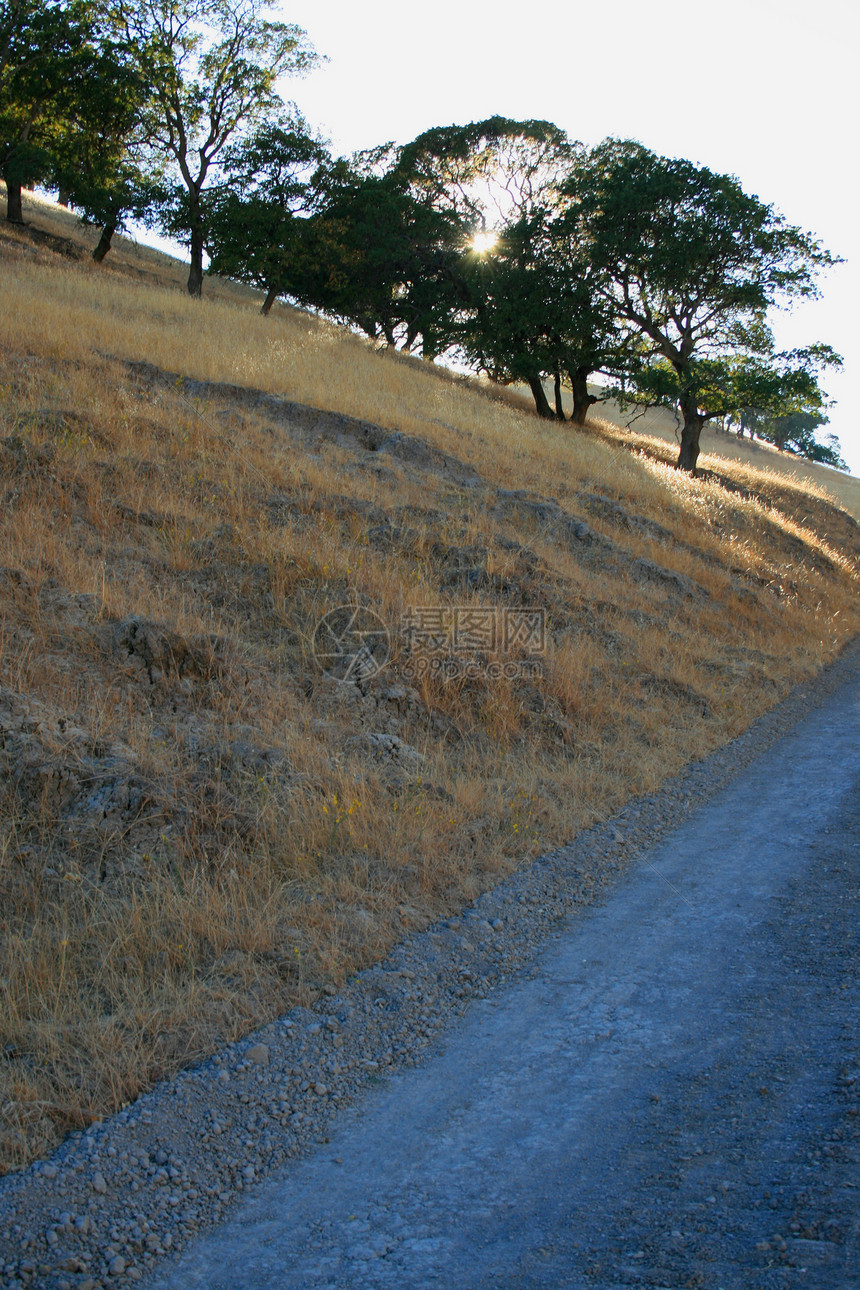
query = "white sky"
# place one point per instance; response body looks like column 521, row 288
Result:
column 762, row 89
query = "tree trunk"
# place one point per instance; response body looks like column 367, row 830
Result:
column 104, row 241
column 195, row 274
column 271, row 297
column 690, row 434
column 14, row 212
column 541, row 401
column 64, row 198
column 582, row 400
column 559, row 406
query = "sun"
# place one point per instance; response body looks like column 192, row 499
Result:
column 484, row 240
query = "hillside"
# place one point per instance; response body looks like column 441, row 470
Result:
column 659, row 423
column 206, row 815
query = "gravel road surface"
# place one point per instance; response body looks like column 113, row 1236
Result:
column 635, row 1064
column 670, row 1100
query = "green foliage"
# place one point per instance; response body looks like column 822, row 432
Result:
column 488, row 173
column 534, row 313
column 691, row 263
column 212, row 66
column 72, row 98
column 375, row 257
column 771, row 384
column 796, row 432
column 52, row 56
column 273, row 178
column 102, row 159
column 524, row 309
column 790, row 422
column 775, row 396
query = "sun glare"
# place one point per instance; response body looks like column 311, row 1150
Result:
column 484, row 241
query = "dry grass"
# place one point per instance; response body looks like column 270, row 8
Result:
column 193, row 836
column 764, row 458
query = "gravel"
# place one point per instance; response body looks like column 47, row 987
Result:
column 120, row 1196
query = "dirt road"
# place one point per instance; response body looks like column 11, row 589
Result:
column 670, row 1099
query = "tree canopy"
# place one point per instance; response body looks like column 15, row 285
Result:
column 102, row 161
column 53, row 58
column 691, row 262
column 212, row 68
column 490, row 172
column 274, row 178
column 797, row 432
column 501, row 243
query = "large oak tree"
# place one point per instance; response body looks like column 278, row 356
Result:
column 102, row 161
column 498, row 179
column 691, row 262
column 534, row 315
column 255, row 220
column 213, row 66
column 52, row 61
column 376, row 257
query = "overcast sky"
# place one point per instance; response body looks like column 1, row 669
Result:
column 762, row 89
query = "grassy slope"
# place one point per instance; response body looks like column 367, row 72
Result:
column 195, row 833
column 660, row 424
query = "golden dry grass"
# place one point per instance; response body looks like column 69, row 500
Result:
column 253, row 851
column 810, row 476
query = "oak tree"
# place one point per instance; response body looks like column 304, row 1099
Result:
column 275, row 181
column 375, row 257
column 213, row 66
column 102, row 161
column 689, row 261
column 49, row 65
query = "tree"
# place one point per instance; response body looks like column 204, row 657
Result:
column 526, row 311
column 275, row 179
column 375, row 257
column 760, row 392
column 796, row 432
column 46, row 72
column 531, row 315
column 71, row 105
column 536, row 315
column 488, row 173
column 790, row 422
column 691, row 262
column 112, row 187
column 213, row 66
column 506, row 330
column 101, row 160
